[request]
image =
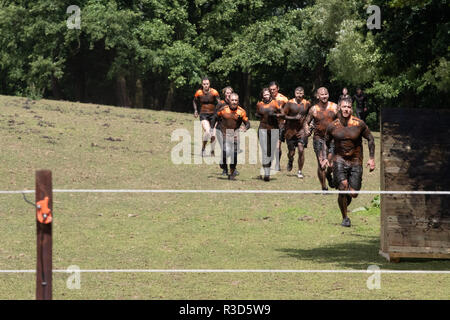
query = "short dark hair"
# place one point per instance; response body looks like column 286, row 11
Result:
column 273, row 83
column 205, row 78
column 346, row 99
column 299, row 88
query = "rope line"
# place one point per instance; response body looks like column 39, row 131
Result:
column 231, row 191
column 232, row 271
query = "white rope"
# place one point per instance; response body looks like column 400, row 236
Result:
column 233, row 271
column 232, row 191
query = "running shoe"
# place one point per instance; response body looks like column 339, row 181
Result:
column 289, row 166
column 300, row 174
column 346, row 222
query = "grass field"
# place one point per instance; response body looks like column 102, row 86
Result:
column 88, row 146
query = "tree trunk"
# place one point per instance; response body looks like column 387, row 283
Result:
column 122, row 95
column 169, row 98
column 318, row 77
column 56, row 90
column 139, row 95
column 80, row 86
column 245, row 102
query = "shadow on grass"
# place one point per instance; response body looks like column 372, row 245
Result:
column 359, row 255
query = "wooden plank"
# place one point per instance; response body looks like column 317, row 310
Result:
column 398, row 255
column 44, row 239
column 416, row 238
column 428, row 250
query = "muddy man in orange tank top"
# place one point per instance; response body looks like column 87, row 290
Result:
column 281, row 100
column 323, row 113
column 347, row 132
column 269, row 113
column 231, row 117
column 295, row 112
column 207, row 98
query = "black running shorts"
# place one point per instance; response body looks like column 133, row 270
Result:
column 294, row 141
column 211, row 117
column 347, row 171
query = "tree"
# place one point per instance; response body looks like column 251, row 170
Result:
column 354, row 60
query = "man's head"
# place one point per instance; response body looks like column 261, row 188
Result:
column 299, row 93
column 358, row 91
column 322, row 93
column 345, row 107
column 344, row 91
column 273, row 87
column 205, row 84
column 226, row 92
column 234, row 100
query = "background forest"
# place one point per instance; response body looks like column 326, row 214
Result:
column 153, row 53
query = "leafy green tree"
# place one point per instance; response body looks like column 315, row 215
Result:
column 355, row 59
column 413, row 42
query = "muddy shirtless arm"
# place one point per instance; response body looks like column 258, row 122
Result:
column 371, row 144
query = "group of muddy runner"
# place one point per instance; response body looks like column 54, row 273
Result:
column 337, row 134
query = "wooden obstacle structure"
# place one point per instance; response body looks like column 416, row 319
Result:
column 415, row 156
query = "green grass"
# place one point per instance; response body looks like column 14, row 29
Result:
column 88, row 146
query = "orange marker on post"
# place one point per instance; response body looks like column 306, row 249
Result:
column 43, row 212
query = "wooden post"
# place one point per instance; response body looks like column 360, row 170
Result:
column 44, row 238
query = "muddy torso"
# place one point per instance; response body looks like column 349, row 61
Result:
column 322, row 118
column 292, row 108
column 348, row 140
column 206, row 100
column 267, row 113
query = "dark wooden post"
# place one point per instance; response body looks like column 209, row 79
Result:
column 44, row 238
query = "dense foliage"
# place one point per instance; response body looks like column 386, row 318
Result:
column 152, row 53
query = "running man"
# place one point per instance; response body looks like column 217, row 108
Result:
column 295, row 112
column 281, row 100
column 231, row 117
column 226, row 93
column 207, row 98
column 347, row 132
column 268, row 111
column 323, row 113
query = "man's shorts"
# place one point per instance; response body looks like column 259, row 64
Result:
column 293, row 142
column 210, row 117
column 347, row 171
column 318, row 145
